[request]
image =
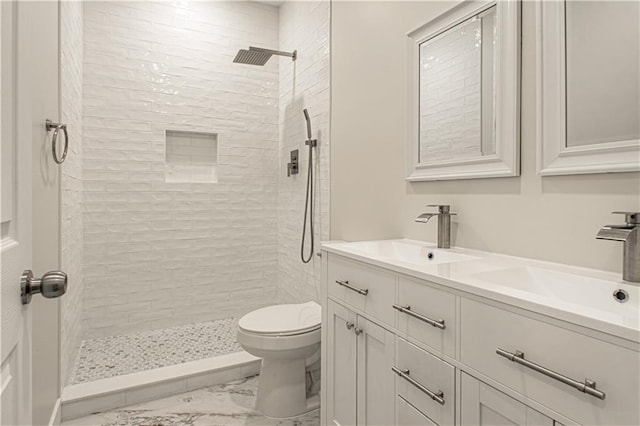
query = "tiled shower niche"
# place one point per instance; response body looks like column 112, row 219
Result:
column 191, row 156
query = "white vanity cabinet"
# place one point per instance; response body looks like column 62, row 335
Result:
column 360, row 382
column 571, row 355
column 409, row 351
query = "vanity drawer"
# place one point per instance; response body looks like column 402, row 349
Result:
column 427, row 315
column 615, row 369
column 367, row 289
column 427, row 376
column 408, row 415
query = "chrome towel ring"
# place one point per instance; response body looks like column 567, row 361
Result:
column 56, row 127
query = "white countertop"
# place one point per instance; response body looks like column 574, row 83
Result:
column 577, row 295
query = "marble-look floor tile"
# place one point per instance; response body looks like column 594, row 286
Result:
column 228, row 404
column 112, row 356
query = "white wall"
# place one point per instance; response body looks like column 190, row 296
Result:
column 303, row 84
column 552, row 218
column 159, row 253
column 71, row 214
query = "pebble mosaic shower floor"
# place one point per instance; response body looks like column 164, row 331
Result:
column 112, row 356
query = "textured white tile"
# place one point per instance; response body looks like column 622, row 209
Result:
column 303, row 26
column 71, row 197
column 151, row 67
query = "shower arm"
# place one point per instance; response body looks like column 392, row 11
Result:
column 293, row 55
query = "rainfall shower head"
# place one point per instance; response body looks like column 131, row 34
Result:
column 259, row 56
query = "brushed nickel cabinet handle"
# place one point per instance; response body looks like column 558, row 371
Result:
column 439, row 323
column 436, row 396
column 588, row 386
column 346, row 284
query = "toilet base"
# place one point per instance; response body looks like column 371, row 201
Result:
column 282, row 389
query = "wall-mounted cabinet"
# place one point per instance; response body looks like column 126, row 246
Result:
column 464, row 93
column 588, row 80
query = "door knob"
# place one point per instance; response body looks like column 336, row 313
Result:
column 52, row 284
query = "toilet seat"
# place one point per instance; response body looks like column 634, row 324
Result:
column 282, row 320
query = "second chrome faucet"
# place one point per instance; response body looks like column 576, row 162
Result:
column 444, row 223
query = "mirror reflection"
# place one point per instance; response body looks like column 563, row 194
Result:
column 457, row 91
column 602, row 71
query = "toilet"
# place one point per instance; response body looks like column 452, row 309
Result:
column 284, row 336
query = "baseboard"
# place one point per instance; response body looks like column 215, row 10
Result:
column 56, row 414
column 107, row 394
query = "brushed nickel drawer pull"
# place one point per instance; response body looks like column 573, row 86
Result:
column 407, row 310
column 436, row 396
column 588, row 386
column 346, row 284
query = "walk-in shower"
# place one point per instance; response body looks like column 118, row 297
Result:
column 259, row 56
column 179, row 218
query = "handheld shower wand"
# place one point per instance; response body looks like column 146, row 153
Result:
column 308, row 203
column 306, row 117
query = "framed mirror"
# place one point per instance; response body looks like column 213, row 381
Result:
column 464, row 93
column 588, row 79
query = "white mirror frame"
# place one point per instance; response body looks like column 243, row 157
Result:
column 554, row 157
column 506, row 160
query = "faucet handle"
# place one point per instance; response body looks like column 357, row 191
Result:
column 442, row 208
column 631, row 218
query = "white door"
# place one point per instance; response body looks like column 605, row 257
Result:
column 376, row 380
column 16, row 236
column 341, row 365
column 28, row 53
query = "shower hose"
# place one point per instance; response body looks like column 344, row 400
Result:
column 308, row 207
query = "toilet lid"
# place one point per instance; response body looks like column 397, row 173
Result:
column 282, row 319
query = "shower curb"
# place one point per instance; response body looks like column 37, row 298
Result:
column 84, row 399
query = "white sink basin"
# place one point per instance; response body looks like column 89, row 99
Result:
column 401, row 251
column 575, row 292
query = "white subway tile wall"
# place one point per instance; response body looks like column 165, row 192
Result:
column 157, row 253
column 71, row 220
column 303, row 84
column 191, row 156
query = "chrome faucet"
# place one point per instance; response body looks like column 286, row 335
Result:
column 444, row 224
column 629, row 234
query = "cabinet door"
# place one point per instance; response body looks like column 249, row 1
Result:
column 376, row 390
column 483, row 405
column 408, row 415
column 341, row 363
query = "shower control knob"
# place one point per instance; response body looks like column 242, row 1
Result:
column 52, row 284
